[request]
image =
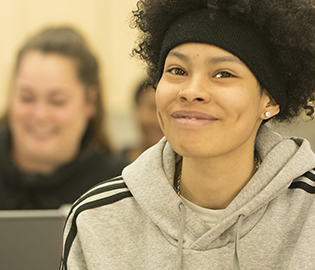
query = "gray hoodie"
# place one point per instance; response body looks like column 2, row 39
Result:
column 137, row 221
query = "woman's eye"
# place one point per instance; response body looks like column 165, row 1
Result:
column 224, row 74
column 178, row 71
column 27, row 99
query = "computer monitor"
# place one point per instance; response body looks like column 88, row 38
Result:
column 31, row 239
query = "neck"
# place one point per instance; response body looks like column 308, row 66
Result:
column 214, row 182
column 37, row 165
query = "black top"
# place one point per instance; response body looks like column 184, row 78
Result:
column 20, row 190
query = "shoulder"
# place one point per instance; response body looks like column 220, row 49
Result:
column 305, row 182
column 104, row 193
column 107, row 193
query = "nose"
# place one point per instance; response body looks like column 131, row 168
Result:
column 196, row 92
column 40, row 110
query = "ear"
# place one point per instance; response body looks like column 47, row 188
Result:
column 91, row 97
column 271, row 107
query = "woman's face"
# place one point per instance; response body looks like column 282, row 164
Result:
column 49, row 110
column 209, row 103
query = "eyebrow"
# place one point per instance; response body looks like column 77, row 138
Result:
column 179, row 55
column 228, row 58
column 212, row 61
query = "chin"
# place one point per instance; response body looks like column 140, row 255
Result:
column 43, row 156
column 44, row 152
column 186, row 150
column 194, row 148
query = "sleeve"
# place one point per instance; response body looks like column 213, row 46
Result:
column 72, row 255
column 303, row 256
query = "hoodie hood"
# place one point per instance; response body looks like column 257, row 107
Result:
column 150, row 180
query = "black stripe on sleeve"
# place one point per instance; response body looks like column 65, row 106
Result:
column 101, row 189
column 90, row 205
column 98, row 191
column 302, row 185
column 309, row 175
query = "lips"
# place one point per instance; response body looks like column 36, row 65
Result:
column 193, row 115
column 41, row 132
column 193, row 118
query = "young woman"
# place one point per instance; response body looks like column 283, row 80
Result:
column 221, row 190
column 52, row 140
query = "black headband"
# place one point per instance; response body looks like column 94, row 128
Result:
column 233, row 36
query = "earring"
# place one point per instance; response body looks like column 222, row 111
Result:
column 267, row 114
column 180, row 92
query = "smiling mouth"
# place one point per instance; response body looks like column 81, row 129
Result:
column 41, row 132
column 187, row 118
column 193, row 116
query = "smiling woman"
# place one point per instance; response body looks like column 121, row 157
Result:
column 52, row 137
column 221, row 190
column 48, row 112
column 219, row 96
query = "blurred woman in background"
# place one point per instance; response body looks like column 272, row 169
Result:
column 52, row 140
column 146, row 117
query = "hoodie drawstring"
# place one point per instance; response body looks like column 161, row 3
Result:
column 236, row 262
column 182, row 211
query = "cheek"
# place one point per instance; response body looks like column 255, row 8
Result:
column 18, row 110
column 164, row 97
column 239, row 104
column 160, row 108
column 73, row 112
column 158, row 99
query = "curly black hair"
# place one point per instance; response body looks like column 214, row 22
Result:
column 288, row 26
